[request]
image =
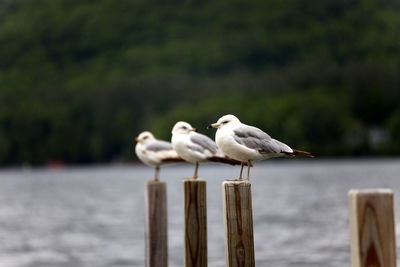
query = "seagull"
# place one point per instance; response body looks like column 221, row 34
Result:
column 154, row 152
column 247, row 143
column 195, row 147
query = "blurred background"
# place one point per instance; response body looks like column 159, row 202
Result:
column 80, row 79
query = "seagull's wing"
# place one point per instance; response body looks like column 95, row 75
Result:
column 254, row 138
column 162, row 151
column 202, row 142
column 159, row 145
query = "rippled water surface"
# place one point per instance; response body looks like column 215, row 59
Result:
column 94, row 216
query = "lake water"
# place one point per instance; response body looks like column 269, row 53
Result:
column 94, row 216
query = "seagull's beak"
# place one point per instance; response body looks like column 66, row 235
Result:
column 213, row 125
column 136, row 139
column 193, row 130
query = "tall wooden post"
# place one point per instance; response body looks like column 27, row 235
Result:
column 195, row 222
column 238, row 219
column 156, row 224
column 372, row 228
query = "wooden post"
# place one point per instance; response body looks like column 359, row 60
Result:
column 156, row 224
column 195, row 222
column 238, row 219
column 372, row 228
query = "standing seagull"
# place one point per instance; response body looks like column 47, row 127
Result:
column 194, row 147
column 246, row 143
column 154, row 152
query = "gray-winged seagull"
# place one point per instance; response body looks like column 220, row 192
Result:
column 154, row 152
column 195, row 147
column 247, row 143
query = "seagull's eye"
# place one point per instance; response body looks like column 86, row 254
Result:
column 184, row 127
column 145, row 137
column 225, row 122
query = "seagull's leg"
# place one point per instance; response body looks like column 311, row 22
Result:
column 157, row 174
column 248, row 170
column 196, row 169
column 241, row 170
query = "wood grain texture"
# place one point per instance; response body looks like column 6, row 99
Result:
column 195, row 211
column 238, row 219
column 372, row 228
column 156, row 224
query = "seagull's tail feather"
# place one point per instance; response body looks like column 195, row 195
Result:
column 226, row 160
column 302, row 153
column 172, row 160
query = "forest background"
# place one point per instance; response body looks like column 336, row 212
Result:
column 80, row 79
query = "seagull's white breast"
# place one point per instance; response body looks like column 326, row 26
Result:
column 147, row 157
column 181, row 144
column 225, row 140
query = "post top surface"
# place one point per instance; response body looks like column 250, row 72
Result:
column 236, row 182
column 372, row 191
column 194, row 180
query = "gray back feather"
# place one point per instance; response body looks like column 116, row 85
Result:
column 196, row 148
column 159, row 145
column 254, row 138
column 202, row 143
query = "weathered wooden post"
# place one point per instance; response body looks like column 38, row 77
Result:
column 156, row 224
column 372, row 228
column 238, row 219
column 195, row 222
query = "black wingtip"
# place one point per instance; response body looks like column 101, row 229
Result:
column 227, row 160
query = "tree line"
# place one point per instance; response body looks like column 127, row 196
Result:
column 79, row 79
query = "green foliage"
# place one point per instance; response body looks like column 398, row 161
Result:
column 393, row 126
column 79, row 79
